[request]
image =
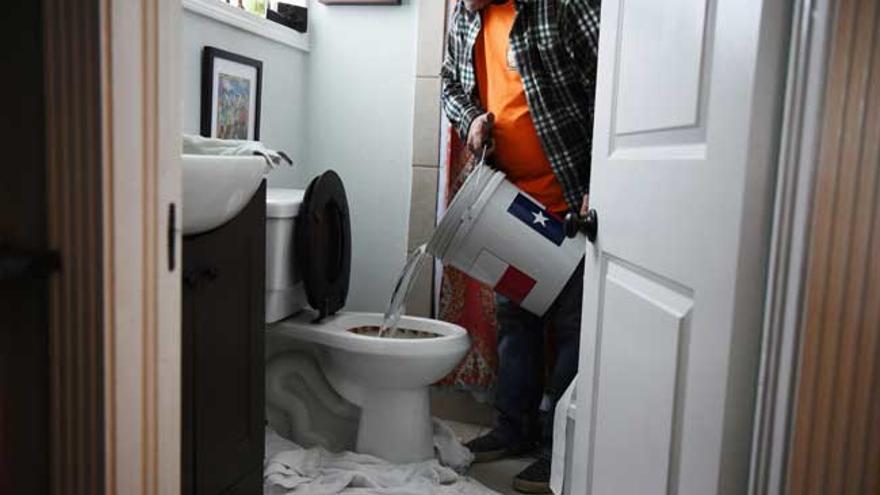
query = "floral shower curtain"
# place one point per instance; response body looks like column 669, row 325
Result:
column 463, row 300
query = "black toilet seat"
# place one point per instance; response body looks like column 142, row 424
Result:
column 323, row 244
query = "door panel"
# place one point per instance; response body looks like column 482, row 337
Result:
column 685, row 132
column 644, row 337
column 660, row 89
column 672, row 99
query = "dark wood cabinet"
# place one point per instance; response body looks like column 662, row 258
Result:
column 223, row 355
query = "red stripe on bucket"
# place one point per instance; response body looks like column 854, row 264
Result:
column 515, row 285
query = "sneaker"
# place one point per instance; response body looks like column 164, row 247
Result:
column 490, row 447
column 534, row 479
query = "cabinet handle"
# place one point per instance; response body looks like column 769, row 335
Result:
column 193, row 277
column 22, row 265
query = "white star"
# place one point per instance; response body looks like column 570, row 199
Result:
column 540, row 218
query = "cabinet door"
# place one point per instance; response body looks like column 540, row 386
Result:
column 223, row 354
column 24, row 294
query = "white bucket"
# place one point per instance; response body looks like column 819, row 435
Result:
column 504, row 238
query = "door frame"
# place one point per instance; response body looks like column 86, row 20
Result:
column 141, row 119
column 141, row 123
column 786, row 274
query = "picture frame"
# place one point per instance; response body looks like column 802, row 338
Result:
column 232, row 87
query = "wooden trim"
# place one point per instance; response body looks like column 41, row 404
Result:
column 74, row 177
column 788, row 253
column 141, row 125
column 836, row 445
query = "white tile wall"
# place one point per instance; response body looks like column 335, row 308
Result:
column 432, row 26
column 426, row 126
column 424, row 200
column 421, row 225
column 426, row 145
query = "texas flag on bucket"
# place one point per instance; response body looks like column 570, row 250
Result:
column 504, row 278
column 514, row 284
column 538, row 218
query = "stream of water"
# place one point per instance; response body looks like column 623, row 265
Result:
column 401, row 289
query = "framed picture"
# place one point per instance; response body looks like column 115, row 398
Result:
column 362, row 2
column 231, row 91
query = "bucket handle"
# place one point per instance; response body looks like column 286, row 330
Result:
column 473, row 165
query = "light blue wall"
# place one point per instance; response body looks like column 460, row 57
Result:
column 283, row 119
column 361, row 94
column 345, row 105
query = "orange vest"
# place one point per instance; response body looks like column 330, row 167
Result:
column 518, row 150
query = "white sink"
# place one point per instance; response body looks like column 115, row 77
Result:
column 216, row 188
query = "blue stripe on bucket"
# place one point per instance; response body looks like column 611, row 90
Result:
column 535, row 216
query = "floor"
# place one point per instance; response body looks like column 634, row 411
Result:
column 496, row 475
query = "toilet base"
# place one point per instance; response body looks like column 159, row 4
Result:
column 396, row 425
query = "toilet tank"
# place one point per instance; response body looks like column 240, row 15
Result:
column 285, row 292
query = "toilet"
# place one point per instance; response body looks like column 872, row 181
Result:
column 338, row 371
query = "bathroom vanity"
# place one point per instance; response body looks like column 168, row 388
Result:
column 223, row 354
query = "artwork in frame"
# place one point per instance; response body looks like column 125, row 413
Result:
column 360, row 2
column 231, row 94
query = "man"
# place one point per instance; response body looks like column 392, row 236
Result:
column 519, row 78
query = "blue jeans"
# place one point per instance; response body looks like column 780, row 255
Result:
column 521, row 370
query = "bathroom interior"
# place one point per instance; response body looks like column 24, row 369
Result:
column 352, row 97
column 179, row 320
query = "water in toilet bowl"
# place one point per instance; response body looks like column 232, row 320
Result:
column 401, row 289
column 399, row 333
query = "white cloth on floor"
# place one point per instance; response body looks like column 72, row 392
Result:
column 560, row 436
column 292, row 470
column 199, row 145
column 449, row 448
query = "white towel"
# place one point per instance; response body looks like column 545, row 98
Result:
column 292, row 470
column 198, row 145
column 560, row 436
column 449, row 449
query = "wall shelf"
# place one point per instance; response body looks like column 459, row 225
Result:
column 227, row 14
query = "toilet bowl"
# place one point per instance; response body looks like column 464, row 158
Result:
column 309, row 257
column 388, row 378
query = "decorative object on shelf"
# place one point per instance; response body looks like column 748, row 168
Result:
column 256, row 7
column 360, row 2
column 292, row 16
column 229, row 14
column 231, row 93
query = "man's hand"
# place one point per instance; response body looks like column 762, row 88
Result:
column 480, row 132
column 476, row 5
column 585, row 205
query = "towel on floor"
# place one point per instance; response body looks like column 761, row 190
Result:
column 560, row 438
column 449, row 449
column 198, row 145
column 293, row 470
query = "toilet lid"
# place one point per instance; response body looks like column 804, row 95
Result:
column 323, row 243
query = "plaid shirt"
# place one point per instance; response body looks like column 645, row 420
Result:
column 555, row 44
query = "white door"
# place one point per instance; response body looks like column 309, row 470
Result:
column 687, row 116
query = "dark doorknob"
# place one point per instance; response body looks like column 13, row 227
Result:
column 589, row 225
